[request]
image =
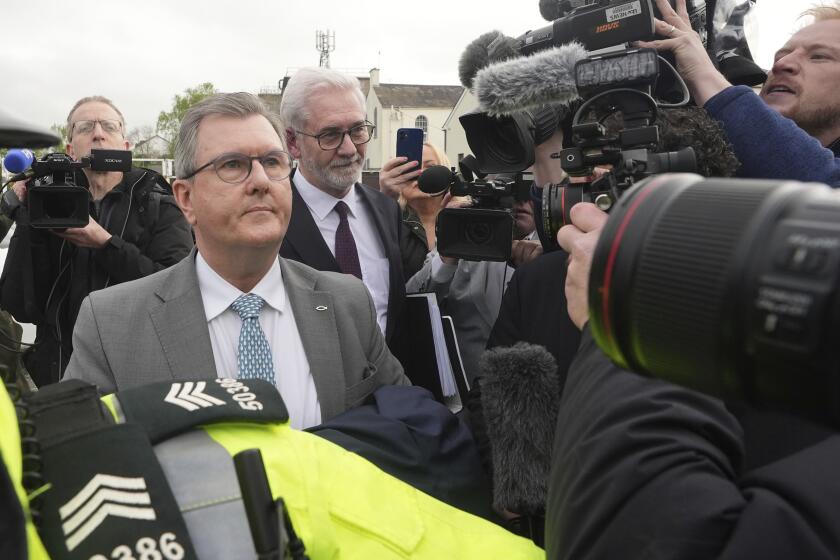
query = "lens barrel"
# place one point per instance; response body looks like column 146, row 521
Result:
column 725, row 286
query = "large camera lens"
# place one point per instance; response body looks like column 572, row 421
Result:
column 726, row 286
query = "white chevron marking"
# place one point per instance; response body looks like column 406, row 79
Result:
column 102, row 496
column 129, row 512
column 191, row 397
column 94, row 484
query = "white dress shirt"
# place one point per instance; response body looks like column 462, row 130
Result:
column 291, row 367
column 372, row 258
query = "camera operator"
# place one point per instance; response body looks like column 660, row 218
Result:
column 471, row 291
column 642, row 467
column 792, row 129
column 135, row 229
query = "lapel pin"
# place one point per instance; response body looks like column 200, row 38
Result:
column 321, row 308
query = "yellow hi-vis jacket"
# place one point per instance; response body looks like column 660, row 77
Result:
column 343, row 506
column 13, row 461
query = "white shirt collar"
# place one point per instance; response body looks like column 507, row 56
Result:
column 320, row 203
column 217, row 293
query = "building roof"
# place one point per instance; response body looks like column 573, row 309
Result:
column 411, row 95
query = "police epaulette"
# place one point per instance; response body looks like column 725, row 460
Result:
column 168, row 408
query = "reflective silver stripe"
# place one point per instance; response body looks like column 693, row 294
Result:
column 202, row 478
column 118, row 411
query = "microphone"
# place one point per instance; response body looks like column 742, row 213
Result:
column 436, row 179
column 520, row 394
column 529, row 82
column 490, row 47
column 18, row 161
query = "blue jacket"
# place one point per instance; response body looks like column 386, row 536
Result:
column 769, row 145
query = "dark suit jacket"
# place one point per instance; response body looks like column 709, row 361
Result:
column 304, row 243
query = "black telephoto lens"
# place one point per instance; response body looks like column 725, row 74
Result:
column 725, row 286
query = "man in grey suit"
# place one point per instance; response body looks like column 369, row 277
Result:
column 233, row 308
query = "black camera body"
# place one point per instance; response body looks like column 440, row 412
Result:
column 484, row 230
column 55, row 198
column 612, row 85
column 596, row 25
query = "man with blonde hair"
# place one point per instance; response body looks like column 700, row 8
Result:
column 792, row 129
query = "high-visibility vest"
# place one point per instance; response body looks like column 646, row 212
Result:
column 10, row 450
column 340, row 504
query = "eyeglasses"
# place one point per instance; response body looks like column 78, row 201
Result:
column 234, row 168
column 110, row 126
column 332, row 138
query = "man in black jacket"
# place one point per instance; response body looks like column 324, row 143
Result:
column 135, row 229
column 642, row 468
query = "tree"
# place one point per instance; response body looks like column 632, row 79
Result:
column 137, row 138
column 169, row 122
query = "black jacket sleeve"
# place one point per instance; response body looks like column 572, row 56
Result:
column 645, row 469
column 170, row 241
column 22, row 291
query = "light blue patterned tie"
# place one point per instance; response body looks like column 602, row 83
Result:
column 254, row 353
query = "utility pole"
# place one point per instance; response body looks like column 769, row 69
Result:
column 325, row 44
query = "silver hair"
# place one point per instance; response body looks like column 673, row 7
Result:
column 92, row 99
column 238, row 105
column 307, row 82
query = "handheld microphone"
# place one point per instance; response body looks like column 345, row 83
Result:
column 436, row 179
column 520, row 394
column 545, row 78
column 18, row 161
column 489, row 47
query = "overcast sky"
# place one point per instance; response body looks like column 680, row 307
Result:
column 140, row 54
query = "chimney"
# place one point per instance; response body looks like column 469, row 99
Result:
column 374, row 77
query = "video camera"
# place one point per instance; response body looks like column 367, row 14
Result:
column 729, row 287
column 615, row 85
column 54, row 197
column 484, row 231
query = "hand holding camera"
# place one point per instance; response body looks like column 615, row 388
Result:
column 579, row 240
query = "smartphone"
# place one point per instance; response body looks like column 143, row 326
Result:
column 410, row 145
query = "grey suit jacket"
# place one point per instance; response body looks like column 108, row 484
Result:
column 155, row 329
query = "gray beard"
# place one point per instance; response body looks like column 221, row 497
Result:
column 336, row 180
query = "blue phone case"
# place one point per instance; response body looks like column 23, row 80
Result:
column 410, row 144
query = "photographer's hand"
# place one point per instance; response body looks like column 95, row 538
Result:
column 20, row 190
column 579, row 241
column 693, row 63
column 392, row 180
column 92, row 236
column 524, row 250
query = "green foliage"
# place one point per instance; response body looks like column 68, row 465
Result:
column 169, row 122
column 61, row 131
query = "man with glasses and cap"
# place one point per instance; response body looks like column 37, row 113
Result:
column 337, row 223
column 233, row 308
column 135, row 229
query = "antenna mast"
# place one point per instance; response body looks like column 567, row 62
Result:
column 325, row 44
